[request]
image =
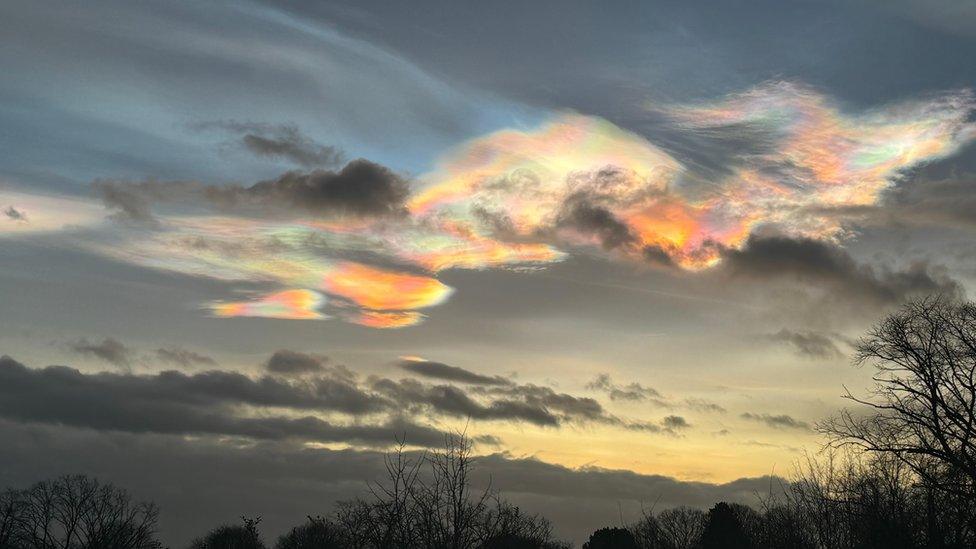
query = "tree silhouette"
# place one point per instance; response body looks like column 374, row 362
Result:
column 245, row 536
column 75, row 512
column 611, row 538
column 317, row 533
column 724, row 530
column 924, row 397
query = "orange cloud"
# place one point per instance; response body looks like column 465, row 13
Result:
column 384, row 290
column 288, row 304
column 386, row 319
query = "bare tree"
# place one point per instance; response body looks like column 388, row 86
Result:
column 428, row 502
column 923, row 404
column 682, row 527
column 76, row 512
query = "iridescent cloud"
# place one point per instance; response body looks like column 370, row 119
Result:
column 383, row 290
column 25, row 213
column 386, row 319
column 288, row 304
column 527, row 198
column 518, row 184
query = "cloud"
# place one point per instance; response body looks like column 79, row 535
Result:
column 446, row 372
column 582, row 215
column 519, row 198
column 293, row 402
column 946, row 201
column 286, row 305
column 632, row 391
column 453, row 401
column 110, row 350
column 781, row 421
column 284, row 141
column 823, row 264
column 196, row 479
column 812, row 345
column 207, row 403
column 384, row 290
column 702, row 405
column 127, row 202
column 359, row 189
column 287, row 362
column 183, row 357
column 675, row 423
column 386, row 319
column 14, row 214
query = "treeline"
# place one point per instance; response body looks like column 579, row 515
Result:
column 838, row 501
column 897, row 473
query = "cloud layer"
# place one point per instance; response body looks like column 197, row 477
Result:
column 375, row 242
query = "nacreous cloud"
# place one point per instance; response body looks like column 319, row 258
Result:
column 375, row 242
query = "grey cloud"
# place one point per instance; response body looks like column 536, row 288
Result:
column 183, row 357
column 582, row 214
column 450, row 400
column 173, row 403
column 702, row 405
column 781, row 421
column 287, row 362
column 213, row 401
column 820, row 263
column 283, row 141
column 202, row 480
column 446, row 372
column 632, row 391
column 940, row 201
column 126, row 201
column 812, row 345
column 206, row 389
column 675, row 422
column 109, row 350
column 360, row 188
column 14, row 214
column 656, row 255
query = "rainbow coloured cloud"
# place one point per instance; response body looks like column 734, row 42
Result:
column 288, row 304
column 525, row 198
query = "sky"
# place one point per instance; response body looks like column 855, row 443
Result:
column 626, row 247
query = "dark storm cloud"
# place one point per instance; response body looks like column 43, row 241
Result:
column 360, row 188
column 14, row 214
column 823, row 264
column 781, row 421
column 183, row 357
column 284, row 141
column 199, row 481
column 807, row 344
column 109, row 350
column 287, row 362
column 446, row 372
